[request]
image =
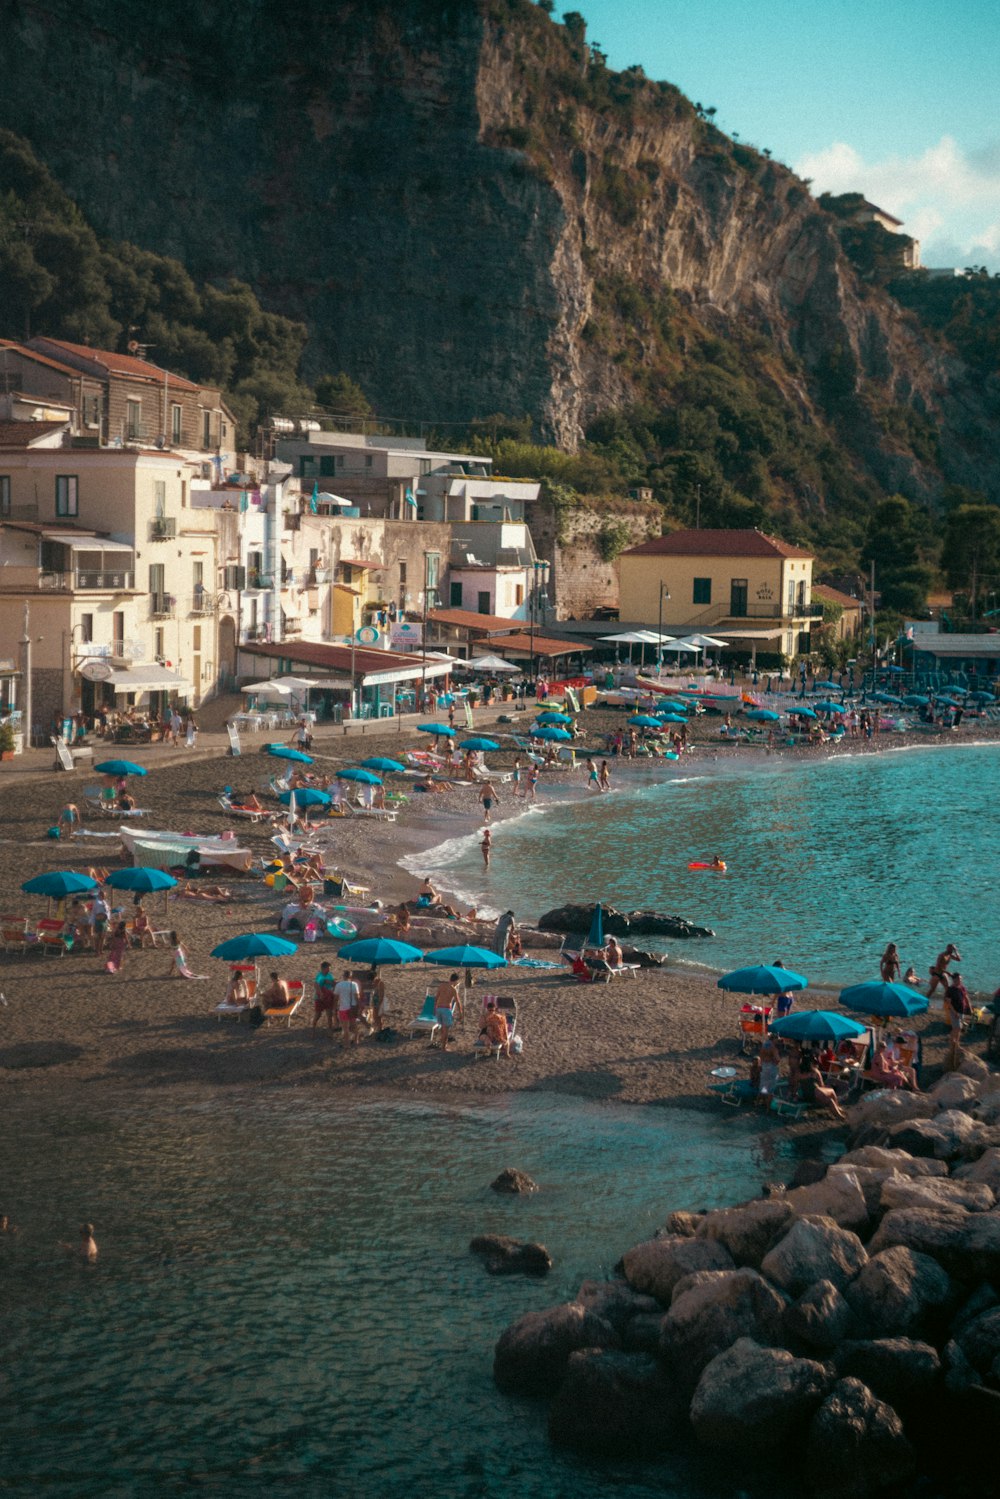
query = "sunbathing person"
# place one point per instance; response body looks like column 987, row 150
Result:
column 400, row 919
column 814, row 1090
column 203, row 892
column 238, row 992
column 889, row 1073
column 428, row 901
column 613, row 953
column 246, row 803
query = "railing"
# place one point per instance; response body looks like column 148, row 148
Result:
column 90, row 579
column 161, row 606
column 769, row 610
column 260, row 580
column 163, row 528
column 203, row 603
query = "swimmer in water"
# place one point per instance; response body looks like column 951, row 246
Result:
column 86, row 1248
column 718, row 862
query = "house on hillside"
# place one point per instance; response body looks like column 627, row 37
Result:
column 749, row 589
column 848, row 621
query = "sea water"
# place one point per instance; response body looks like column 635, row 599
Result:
column 285, row 1301
column 828, row 860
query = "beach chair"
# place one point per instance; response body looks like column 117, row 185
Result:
column 228, row 807
column 54, row 936
column 225, row 1007
column 296, row 997
column 425, row 1023
column 14, row 934
column 483, row 1049
column 94, row 799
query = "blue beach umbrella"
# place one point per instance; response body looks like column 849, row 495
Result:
column 764, row 715
column 982, row 697
column 306, row 796
column 58, row 883
column 437, row 728
column 595, row 937
column 355, row 773
column 817, row 1025
column 146, row 880
column 465, row 957
column 254, row 945
column 644, row 721
column 802, row 712
column 672, row 718
column 829, row 707
column 121, row 768
column 765, row 978
column 553, row 734
column 878, row 998
column 826, row 686
column 553, row 717
column 284, row 752
column 383, row 763
column 916, row 700
column 479, row 744
column 379, row 950
column 884, row 697
column 948, row 702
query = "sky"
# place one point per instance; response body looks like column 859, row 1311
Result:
column 894, row 100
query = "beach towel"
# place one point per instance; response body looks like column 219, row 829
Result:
column 534, row 963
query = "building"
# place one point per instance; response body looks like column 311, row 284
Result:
column 848, row 622
column 749, row 589
column 870, row 213
column 383, row 680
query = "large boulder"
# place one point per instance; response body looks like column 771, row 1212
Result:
column 754, row 1398
column 976, row 1068
column 680, row 1224
column 900, row 1371
column 935, row 1192
column 837, row 1196
column 749, row 1231
column 949, row 1136
column 820, row 1318
column 869, row 1179
column 655, row 1266
column 531, row 1355
column 613, row 1404
column 986, row 1170
column 900, row 1292
column 980, row 1342
column 512, row 1181
column 886, row 1108
column 814, row 1249
column 966, row 1244
column 503, row 1256
column 954, row 1091
column 713, row 1314
column 856, row 1446
column 620, row 923
column 987, row 1110
column 898, row 1161
column 617, row 1303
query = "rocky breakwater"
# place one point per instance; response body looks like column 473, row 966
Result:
column 575, row 919
column 848, row 1323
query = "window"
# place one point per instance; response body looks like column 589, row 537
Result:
column 369, row 460
column 160, row 497
column 738, row 598
column 118, row 632
column 133, row 419
column 484, row 603
column 67, row 495
column 206, row 429
column 196, row 638
column 158, row 641
column 702, row 591
column 198, row 576
column 432, row 570
column 91, row 411
column 175, row 424
column 4, row 494
column 791, row 595
column 156, row 586
column 327, row 467
column 518, row 594
column 456, row 595
column 402, row 575
column 86, row 629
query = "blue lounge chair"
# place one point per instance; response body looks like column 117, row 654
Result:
column 425, row 1021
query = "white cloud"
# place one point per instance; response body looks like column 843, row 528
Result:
column 948, row 198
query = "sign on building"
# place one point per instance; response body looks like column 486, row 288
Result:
column 404, row 636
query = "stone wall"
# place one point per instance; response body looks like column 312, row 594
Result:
column 581, row 579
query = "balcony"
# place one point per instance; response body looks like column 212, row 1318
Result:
column 110, row 581
column 162, row 606
column 260, row 581
column 163, row 528
column 203, row 603
column 770, row 609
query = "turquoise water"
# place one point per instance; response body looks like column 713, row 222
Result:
column 285, row 1302
column 828, row 860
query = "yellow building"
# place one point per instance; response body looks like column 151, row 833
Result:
column 744, row 587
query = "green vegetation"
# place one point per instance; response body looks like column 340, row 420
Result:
column 964, row 310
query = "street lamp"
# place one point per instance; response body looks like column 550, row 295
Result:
column 423, row 639
column 543, row 568
column 664, row 594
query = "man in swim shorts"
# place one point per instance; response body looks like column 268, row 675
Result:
column 487, row 796
column 447, row 1006
column 939, row 969
column 324, row 1000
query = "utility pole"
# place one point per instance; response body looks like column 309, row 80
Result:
column 664, row 593
column 26, row 668
column 697, row 508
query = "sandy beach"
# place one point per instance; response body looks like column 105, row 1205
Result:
column 68, row 1024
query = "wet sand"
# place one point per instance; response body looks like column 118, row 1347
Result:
column 68, row 1024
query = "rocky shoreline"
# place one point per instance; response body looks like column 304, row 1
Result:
column 847, row 1324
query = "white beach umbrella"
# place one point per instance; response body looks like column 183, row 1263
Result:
column 490, row 663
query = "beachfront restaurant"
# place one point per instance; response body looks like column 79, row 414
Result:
column 384, row 682
column 940, row 660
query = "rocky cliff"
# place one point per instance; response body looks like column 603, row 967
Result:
column 473, row 214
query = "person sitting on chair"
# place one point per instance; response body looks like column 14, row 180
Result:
column 495, row 1031
column 613, row 953
column 814, row 1090
column 275, row 996
column 238, row 992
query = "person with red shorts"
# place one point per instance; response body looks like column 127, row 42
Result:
column 324, row 1000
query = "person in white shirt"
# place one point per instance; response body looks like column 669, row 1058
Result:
column 348, row 998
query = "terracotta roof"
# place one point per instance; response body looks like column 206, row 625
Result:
column 716, row 543
column 336, row 657
column 522, row 645
column 22, row 434
column 124, row 364
column 33, row 354
column 363, row 562
column 829, row 595
column 468, row 619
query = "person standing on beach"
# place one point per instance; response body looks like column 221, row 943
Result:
column 348, row 1005
column 604, row 777
column 889, row 965
column 69, row 818
column 487, row 846
column 324, row 1000
column 593, row 779
column 958, row 1008
column 117, row 948
column 532, row 782
column 505, row 926
column 488, row 795
column 447, row 1006
column 517, row 777
column 939, row 969
column 98, row 920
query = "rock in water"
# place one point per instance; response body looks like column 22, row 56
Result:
column 620, row 924
column 614, row 1404
column 531, row 1356
column 753, row 1398
column 856, row 1445
column 503, row 1256
column 512, row 1180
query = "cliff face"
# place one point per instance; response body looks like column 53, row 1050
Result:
column 471, row 213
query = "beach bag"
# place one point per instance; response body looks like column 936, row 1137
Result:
column 54, row 833
column 311, row 932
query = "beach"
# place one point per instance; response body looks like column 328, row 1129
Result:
column 651, row 1039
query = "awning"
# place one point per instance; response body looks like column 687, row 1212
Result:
column 333, row 684
column 87, row 543
column 407, row 673
column 749, row 634
column 147, row 676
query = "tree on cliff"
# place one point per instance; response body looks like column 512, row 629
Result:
column 971, row 554
column 898, row 541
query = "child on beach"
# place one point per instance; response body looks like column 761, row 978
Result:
column 117, row 948
column 179, row 960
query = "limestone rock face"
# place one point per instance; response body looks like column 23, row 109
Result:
column 749, row 1231
column 948, row 1136
column 897, row 1161
column 955, row 1091
column 856, row 1446
column 752, row 1398
column 814, row 1249
column 980, row 1342
column 656, row 1266
column 713, row 1314
column 985, row 1170
column 613, row 1404
column 531, row 1355
column 898, row 1292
